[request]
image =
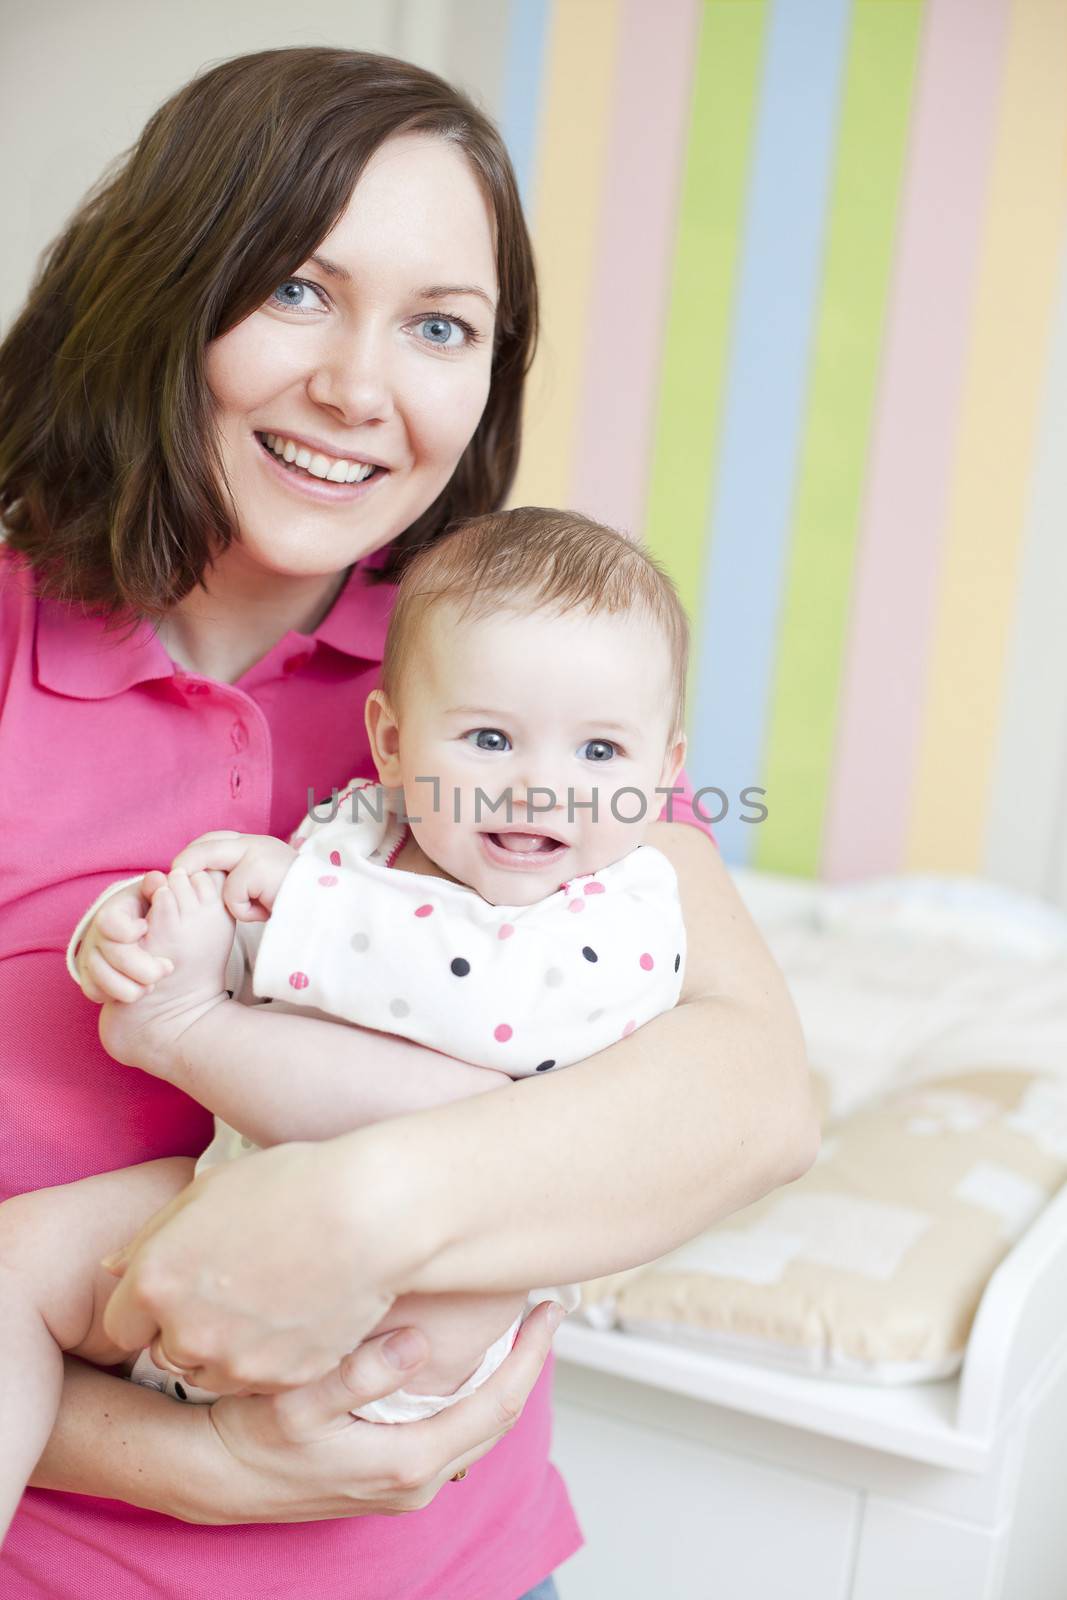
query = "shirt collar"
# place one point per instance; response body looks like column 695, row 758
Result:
column 358, row 620
column 77, row 656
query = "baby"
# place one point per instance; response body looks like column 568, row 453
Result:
column 487, row 898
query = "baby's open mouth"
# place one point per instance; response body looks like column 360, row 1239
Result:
column 527, row 843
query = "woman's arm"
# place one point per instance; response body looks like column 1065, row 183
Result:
column 699, row 1113
column 296, row 1457
column 124, row 1442
column 608, row 1164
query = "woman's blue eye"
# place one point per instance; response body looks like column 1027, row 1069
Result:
column 291, row 295
column 442, row 331
column 597, row 750
column 488, row 739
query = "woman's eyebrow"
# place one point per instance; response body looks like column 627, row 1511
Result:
column 433, row 291
column 439, row 290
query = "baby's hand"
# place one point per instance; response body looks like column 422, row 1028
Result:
column 110, row 962
column 255, row 864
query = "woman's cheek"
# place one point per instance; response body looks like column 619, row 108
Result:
column 452, row 412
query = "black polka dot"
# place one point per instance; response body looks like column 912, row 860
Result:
column 544, row 1066
column 461, row 967
column 589, row 953
column 180, row 1392
column 677, row 962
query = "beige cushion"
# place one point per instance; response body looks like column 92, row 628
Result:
column 872, row 1265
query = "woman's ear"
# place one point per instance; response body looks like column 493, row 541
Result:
column 383, row 731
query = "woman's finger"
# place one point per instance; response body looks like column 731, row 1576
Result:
column 127, row 1320
column 376, row 1368
column 468, row 1430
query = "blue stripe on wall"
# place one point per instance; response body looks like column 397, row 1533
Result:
column 522, row 89
column 766, row 384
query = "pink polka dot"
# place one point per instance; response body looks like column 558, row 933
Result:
column 502, row 1033
column 647, row 962
column 299, row 980
column 593, row 888
column 629, row 1028
column 335, row 858
column 423, row 911
column 505, row 930
column 576, row 905
column 328, row 880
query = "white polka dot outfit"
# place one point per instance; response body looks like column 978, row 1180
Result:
column 524, row 989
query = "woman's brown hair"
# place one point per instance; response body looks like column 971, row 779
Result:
column 110, row 484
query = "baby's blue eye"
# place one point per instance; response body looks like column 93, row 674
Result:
column 441, row 331
column 597, row 750
column 488, row 739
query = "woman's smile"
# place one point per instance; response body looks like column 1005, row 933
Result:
column 322, row 477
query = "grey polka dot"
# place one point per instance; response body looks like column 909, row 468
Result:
column 399, row 1008
column 360, row 942
column 246, row 1144
column 595, row 1016
column 553, row 977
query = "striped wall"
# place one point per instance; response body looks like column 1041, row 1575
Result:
column 805, row 291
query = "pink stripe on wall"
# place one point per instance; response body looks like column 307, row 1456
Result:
column 893, row 605
column 628, row 291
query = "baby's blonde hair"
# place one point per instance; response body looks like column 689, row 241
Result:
column 556, row 561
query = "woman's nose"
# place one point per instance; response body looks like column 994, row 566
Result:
column 352, row 378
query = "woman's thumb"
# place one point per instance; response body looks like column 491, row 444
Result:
column 375, row 1368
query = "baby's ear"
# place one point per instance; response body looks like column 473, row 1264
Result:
column 383, row 733
column 673, row 761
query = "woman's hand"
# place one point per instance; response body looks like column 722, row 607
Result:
column 264, row 1273
column 301, row 1456
column 111, row 963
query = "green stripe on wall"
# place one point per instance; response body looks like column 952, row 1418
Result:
column 872, row 142
column 707, row 249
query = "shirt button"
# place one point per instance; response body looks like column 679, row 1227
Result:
column 198, row 688
column 238, row 735
column 235, row 782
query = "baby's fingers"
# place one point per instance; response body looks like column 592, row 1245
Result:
column 133, row 962
column 116, row 921
column 101, row 981
column 218, row 851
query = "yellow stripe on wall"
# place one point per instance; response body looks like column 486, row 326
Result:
column 581, row 56
column 1011, row 317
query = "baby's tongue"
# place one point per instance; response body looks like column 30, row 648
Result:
column 525, row 842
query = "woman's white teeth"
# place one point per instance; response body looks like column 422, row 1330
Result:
column 319, row 466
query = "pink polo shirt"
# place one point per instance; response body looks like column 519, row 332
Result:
column 113, row 759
